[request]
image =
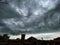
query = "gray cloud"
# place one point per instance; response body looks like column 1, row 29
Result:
column 30, row 16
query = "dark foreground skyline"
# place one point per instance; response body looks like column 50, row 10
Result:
column 4, row 40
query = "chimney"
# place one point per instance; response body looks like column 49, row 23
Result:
column 23, row 37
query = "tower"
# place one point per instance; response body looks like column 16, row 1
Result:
column 23, row 37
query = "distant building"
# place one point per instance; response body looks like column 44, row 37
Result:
column 6, row 36
column 41, row 38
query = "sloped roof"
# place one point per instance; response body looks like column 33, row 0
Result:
column 31, row 38
column 57, row 38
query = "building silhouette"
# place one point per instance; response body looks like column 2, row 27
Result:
column 23, row 37
column 4, row 40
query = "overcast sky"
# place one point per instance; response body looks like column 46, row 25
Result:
column 36, row 17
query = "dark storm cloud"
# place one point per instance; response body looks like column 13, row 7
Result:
column 25, row 16
column 6, row 11
column 54, row 17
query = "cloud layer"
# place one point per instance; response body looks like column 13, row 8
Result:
column 30, row 16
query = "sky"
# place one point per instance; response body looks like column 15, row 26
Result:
column 45, row 36
column 32, row 17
